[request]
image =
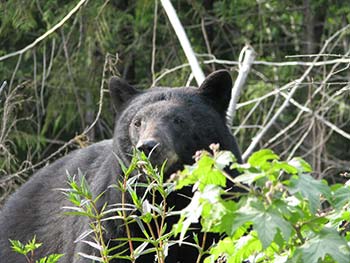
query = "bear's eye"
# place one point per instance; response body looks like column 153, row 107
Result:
column 137, row 123
column 178, row 120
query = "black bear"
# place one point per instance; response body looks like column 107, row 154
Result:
column 173, row 123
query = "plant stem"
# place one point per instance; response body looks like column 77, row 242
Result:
column 202, row 248
column 125, row 220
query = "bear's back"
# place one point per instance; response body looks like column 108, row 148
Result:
column 36, row 207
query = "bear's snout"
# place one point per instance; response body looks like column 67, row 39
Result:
column 147, row 146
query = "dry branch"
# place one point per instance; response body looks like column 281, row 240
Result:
column 185, row 43
column 244, row 68
column 296, row 85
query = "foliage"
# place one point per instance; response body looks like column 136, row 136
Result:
column 283, row 215
column 144, row 211
column 277, row 211
column 28, row 251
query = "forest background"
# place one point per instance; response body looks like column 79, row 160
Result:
column 54, row 98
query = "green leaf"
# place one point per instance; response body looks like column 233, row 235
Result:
column 327, row 242
column 224, row 247
column 341, row 197
column 277, row 166
column 203, row 172
column 248, row 177
column 213, row 209
column 50, row 259
column 18, row 247
column 235, row 251
column 208, row 174
column 310, row 189
column 301, row 165
column 267, row 222
column 262, row 159
column 246, row 246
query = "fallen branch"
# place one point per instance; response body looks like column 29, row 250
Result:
column 249, row 55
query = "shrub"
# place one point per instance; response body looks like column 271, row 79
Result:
column 282, row 215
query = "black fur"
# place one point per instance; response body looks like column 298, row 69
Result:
column 180, row 120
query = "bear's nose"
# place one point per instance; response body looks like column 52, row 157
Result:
column 147, row 146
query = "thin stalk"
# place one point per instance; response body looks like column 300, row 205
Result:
column 202, row 248
column 125, row 220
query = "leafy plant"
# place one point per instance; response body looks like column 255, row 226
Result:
column 146, row 211
column 27, row 250
column 284, row 215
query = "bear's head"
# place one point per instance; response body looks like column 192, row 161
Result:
column 172, row 123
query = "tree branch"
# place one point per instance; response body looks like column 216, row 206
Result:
column 259, row 136
column 49, row 32
column 185, row 43
column 244, row 68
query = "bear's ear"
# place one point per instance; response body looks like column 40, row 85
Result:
column 216, row 88
column 120, row 92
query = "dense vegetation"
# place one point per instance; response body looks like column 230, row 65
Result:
column 53, row 99
column 277, row 213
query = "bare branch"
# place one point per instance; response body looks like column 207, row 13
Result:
column 249, row 56
column 262, row 132
column 185, row 43
column 49, row 32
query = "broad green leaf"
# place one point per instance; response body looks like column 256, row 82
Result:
column 267, row 222
column 208, row 174
column 301, row 165
column 277, row 166
column 248, row 177
column 346, row 217
column 341, row 197
column 262, row 158
column 267, row 225
column 310, row 189
column 235, row 251
column 224, row 247
column 327, row 242
column 204, row 172
column 186, row 177
column 246, row 246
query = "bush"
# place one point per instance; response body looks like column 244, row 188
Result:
column 285, row 215
column 282, row 215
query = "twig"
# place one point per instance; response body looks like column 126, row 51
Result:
column 154, row 39
column 49, row 32
column 185, row 43
column 280, row 64
column 71, row 141
column 43, row 78
column 249, row 56
column 301, row 140
column 15, row 71
column 206, row 40
column 168, row 71
column 3, row 85
column 259, row 136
